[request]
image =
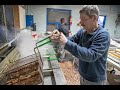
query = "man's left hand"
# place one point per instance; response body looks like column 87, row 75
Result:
column 63, row 39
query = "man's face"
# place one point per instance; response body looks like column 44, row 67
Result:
column 86, row 21
column 64, row 21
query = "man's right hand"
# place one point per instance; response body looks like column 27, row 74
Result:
column 55, row 35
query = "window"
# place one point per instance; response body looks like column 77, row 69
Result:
column 102, row 20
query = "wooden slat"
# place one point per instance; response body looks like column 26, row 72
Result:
column 117, row 50
column 5, row 64
column 59, row 77
column 114, row 54
column 58, row 74
column 16, row 16
column 114, row 64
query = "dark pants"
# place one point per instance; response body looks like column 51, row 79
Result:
column 86, row 82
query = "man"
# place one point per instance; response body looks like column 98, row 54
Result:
column 64, row 28
column 90, row 44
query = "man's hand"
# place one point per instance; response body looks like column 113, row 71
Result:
column 63, row 39
column 55, row 35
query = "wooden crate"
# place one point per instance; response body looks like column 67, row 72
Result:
column 26, row 71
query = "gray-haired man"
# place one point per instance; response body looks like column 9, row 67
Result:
column 90, row 45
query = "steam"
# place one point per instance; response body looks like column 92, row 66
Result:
column 2, row 35
column 10, row 36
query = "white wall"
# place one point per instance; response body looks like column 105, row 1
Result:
column 39, row 12
column 40, row 15
column 111, row 12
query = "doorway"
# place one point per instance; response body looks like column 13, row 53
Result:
column 54, row 16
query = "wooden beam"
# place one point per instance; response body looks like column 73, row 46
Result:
column 114, row 54
column 16, row 16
